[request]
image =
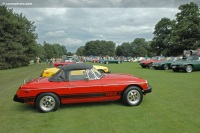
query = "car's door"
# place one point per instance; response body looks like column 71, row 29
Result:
column 83, row 87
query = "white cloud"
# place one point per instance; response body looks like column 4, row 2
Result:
column 72, row 42
column 73, row 27
column 56, row 34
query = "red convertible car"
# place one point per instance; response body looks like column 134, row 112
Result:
column 79, row 83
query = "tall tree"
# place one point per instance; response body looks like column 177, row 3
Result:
column 80, row 51
column 124, row 49
column 186, row 33
column 140, row 47
column 98, row 47
column 161, row 41
column 17, row 39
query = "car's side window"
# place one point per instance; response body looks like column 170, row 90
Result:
column 61, row 75
column 77, row 75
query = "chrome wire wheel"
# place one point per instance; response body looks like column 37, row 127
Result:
column 47, row 103
column 166, row 67
column 188, row 68
column 133, row 97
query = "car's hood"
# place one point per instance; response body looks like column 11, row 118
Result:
column 181, row 62
column 163, row 62
column 54, row 69
column 99, row 67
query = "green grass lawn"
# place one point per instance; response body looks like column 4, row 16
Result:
column 172, row 107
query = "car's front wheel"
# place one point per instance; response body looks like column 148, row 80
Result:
column 151, row 65
column 166, row 67
column 188, row 68
column 47, row 102
column 132, row 96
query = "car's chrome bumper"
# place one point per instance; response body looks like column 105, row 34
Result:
column 148, row 90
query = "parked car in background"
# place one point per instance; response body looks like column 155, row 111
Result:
column 87, row 85
column 149, row 63
column 51, row 71
column 164, row 65
column 190, row 64
column 139, row 59
column 56, row 64
column 112, row 61
column 129, row 59
column 94, row 60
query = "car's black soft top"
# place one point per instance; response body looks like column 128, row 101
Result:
column 76, row 66
column 66, row 69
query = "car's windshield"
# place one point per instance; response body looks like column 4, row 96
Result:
column 97, row 73
column 193, row 58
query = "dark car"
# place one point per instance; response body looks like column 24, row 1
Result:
column 190, row 64
column 163, row 65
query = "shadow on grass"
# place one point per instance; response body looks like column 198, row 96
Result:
column 92, row 104
column 33, row 109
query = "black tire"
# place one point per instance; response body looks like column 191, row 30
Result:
column 47, row 102
column 151, row 65
column 143, row 66
column 132, row 96
column 189, row 69
column 165, row 67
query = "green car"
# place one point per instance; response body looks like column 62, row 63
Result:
column 163, row 65
column 192, row 63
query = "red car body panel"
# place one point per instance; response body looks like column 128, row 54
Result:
column 146, row 63
column 56, row 64
column 107, row 88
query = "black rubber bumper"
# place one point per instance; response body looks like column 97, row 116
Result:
column 148, row 90
column 16, row 99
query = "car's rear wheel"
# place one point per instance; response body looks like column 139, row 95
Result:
column 132, row 96
column 151, row 65
column 188, row 69
column 47, row 102
column 166, row 67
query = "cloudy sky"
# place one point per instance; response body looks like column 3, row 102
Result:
column 72, row 23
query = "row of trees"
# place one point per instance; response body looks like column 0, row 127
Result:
column 171, row 37
column 139, row 47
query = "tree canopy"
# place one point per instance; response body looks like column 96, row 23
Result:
column 17, row 39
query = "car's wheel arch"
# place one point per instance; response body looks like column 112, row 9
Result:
column 190, row 65
column 131, row 85
column 126, row 93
